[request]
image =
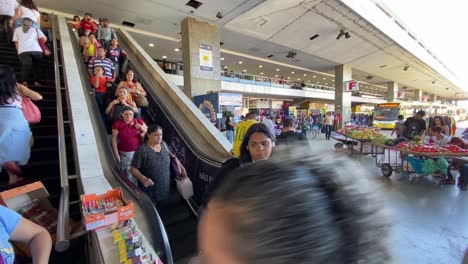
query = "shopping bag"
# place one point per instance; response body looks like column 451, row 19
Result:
column 31, row 111
column 185, row 187
column 141, row 101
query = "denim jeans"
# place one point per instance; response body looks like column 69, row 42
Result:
column 30, row 65
column 230, row 135
column 328, row 130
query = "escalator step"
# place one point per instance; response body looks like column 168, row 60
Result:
column 185, row 247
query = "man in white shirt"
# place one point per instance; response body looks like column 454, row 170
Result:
column 269, row 123
column 7, row 11
column 29, row 52
column 328, row 121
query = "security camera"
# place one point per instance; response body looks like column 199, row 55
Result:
column 219, row 15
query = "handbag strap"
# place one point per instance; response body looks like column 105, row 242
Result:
column 168, row 150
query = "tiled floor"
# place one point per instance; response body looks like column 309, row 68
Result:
column 430, row 222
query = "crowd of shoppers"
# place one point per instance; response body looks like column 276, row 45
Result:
column 143, row 156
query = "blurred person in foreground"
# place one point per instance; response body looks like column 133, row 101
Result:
column 293, row 209
column 13, row 227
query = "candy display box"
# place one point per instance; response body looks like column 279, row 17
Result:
column 105, row 209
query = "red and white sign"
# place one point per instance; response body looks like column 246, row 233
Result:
column 351, row 86
column 400, row 95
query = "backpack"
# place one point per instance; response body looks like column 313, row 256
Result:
column 413, row 129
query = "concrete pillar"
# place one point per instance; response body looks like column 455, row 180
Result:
column 391, row 90
column 343, row 73
column 202, row 72
column 433, row 98
column 418, row 95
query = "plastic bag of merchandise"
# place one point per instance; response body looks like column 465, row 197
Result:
column 416, row 164
column 429, row 166
column 442, row 165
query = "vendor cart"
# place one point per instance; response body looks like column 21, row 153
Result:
column 357, row 146
column 390, row 160
column 393, row 159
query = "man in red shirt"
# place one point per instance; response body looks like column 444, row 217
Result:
column 100, row 85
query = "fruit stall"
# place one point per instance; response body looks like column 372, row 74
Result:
column 359, row 140
column 414, row 157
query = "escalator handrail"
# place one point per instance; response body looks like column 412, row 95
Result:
column 159, row 232
column 62, row 242
column 215, row 160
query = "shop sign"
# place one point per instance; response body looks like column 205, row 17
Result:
column 233, row 99
column 351, row 86
column 252, row 104
column 206, row 57
column 276, row 104
column 400, row 95
column 263, row 103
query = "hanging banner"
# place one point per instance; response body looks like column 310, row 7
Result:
column 351, row 86
column 400, row 95
column 206, row 57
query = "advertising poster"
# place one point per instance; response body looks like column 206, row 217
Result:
column 208, row 105
column 206, row 57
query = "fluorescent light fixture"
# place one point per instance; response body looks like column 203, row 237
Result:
column 261, row 73
column 304, row 74
column 277, row 69
column 292, row 72
column 314, row 76
column 176, row 49
column 244, row 70
column 164, row 57
column 222, row 58
column 240, row 62
column 260, row 66
column 151, row 45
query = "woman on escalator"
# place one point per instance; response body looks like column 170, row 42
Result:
column 151, row 166
column 127, row 135
column 15, row 133
column 134, row 87
column 115, row 108
column 26, row 9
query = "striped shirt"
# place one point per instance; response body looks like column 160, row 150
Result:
column 105, row 63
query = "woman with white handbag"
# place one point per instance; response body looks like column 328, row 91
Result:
column 151, row 165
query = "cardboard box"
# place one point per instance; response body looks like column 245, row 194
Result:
column 102, row 219
column 20, row 197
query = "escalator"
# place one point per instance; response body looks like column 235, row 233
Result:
column 52, row 155
column 195, row 143
column 198, row 145
column 43, row 164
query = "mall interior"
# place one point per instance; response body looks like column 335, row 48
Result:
column 199, row 65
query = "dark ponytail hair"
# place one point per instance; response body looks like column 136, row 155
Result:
column 29, row 4
column 152, row 128
column 8, row 89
